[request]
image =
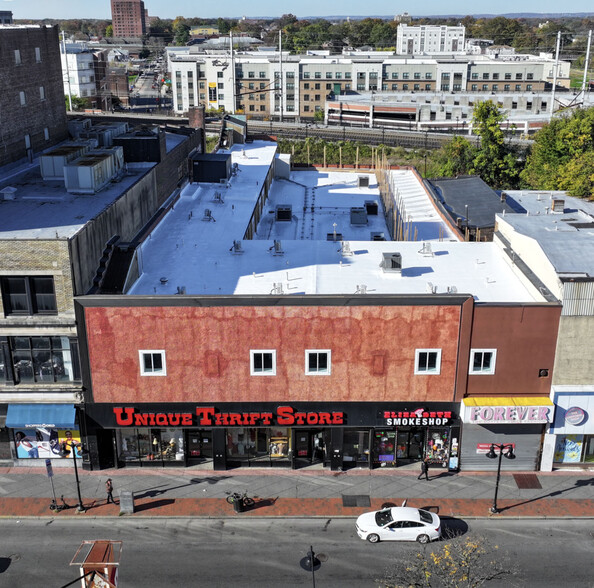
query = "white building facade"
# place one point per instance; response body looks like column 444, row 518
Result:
column 429, row 40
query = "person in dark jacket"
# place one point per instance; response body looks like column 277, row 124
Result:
column 424, row 470
column 109, row 490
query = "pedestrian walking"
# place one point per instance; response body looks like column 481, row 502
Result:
column 424, row 470
column 109, row 490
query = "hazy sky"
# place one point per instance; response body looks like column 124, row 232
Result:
column 33, row 9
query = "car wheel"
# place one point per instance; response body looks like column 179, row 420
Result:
column 423, row 539
column 373, row 538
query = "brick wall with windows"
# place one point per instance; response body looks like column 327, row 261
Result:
column 369, row 352
column 30, row 58
column 36, row 259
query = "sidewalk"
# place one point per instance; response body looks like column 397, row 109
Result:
column 27, row 492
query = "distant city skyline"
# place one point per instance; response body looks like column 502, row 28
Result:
column 100, row 9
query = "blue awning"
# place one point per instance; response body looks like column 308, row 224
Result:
column 33, row 416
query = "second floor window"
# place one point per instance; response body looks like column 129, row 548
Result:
column 28, row 295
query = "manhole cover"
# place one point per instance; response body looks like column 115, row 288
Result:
column 356, row 500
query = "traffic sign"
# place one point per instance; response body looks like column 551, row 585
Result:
column 48, row 467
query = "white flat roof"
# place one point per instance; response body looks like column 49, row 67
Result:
column 186, row 251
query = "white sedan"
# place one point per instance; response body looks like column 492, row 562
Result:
column 399, row 523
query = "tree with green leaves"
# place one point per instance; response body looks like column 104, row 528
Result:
column 495, row 161
column 181, row 31
column 562, row 155
column 455, row 158
column 109, row 31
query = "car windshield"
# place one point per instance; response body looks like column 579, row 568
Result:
column 383, row 517
column 425, row 516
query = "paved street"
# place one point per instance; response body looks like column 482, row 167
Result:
column 263, row 552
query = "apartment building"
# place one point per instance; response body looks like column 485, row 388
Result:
column 32, row 109
column 261, row 85
column 429, row 39
column 128, row 18
column 79, row 69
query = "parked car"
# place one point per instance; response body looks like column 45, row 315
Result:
column 399, row 523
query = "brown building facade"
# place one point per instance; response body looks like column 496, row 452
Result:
column 128, row 18
column 32, row 107
column 374, row 382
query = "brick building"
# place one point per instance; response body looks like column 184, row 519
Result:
column 32, row 108
column 54, row 242
column 128, row 18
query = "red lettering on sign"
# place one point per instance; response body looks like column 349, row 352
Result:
column 235, row 419
column 128, row 420
column 205, row 415
column 186, row 419
column 141, row 420
column 266, row 418
column 325, row 418
column 161, row 420
column 337, row 418
column 285, row 415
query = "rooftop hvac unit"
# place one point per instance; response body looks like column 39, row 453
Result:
column 8, row 193
column 283, row 212
column 372, row 207
column 345, row 249
column 363, row 181
column 392, row 262
column 78, row 125
column 333, row 236
column 358, row 215
column 51, row 163
column 377, row 236
column 558, row 205
column 93, row 171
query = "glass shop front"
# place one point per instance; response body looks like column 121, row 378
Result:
column 338, row 436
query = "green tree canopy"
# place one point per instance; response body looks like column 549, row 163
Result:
column 495, row 161
column 562, row 155
column 455, row 158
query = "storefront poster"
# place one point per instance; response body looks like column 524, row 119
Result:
column 44, row 442
column 568, row 448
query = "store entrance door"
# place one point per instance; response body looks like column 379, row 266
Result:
column 310, row 447
column 410, row 444
column 199, row 446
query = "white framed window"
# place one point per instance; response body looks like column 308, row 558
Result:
column 37, row 54
column 23, row 98
column 46, row 133
column 482, row 361
column 428, row 361
column 263, row 362
column 17, row 56
column 41, row 93
column 318, row 362
column 152, row 362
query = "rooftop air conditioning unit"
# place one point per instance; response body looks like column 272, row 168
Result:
column 363, row 181
column 392, row 262
column 358, row 215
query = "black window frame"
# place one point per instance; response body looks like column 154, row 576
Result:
column 31, row 295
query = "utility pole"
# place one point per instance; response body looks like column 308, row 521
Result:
column 233, row 81
column 587, row 61
column 67, row 71
column 555, row 74
column 280, row 57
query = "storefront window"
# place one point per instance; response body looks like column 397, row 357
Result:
column 569, row 448
column 44, row 442
column 384, row 448
column 150, row 446
column 356, row 448
column 438, row 447
column 256, row 444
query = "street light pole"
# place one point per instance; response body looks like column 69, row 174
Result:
column 73, row 446
column 501, row 447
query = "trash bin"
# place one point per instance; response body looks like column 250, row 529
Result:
column 238, row 505
column 126, row 502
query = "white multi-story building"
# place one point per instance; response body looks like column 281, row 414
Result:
column 261, row 85
column 429, row 40
column 78, row 67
